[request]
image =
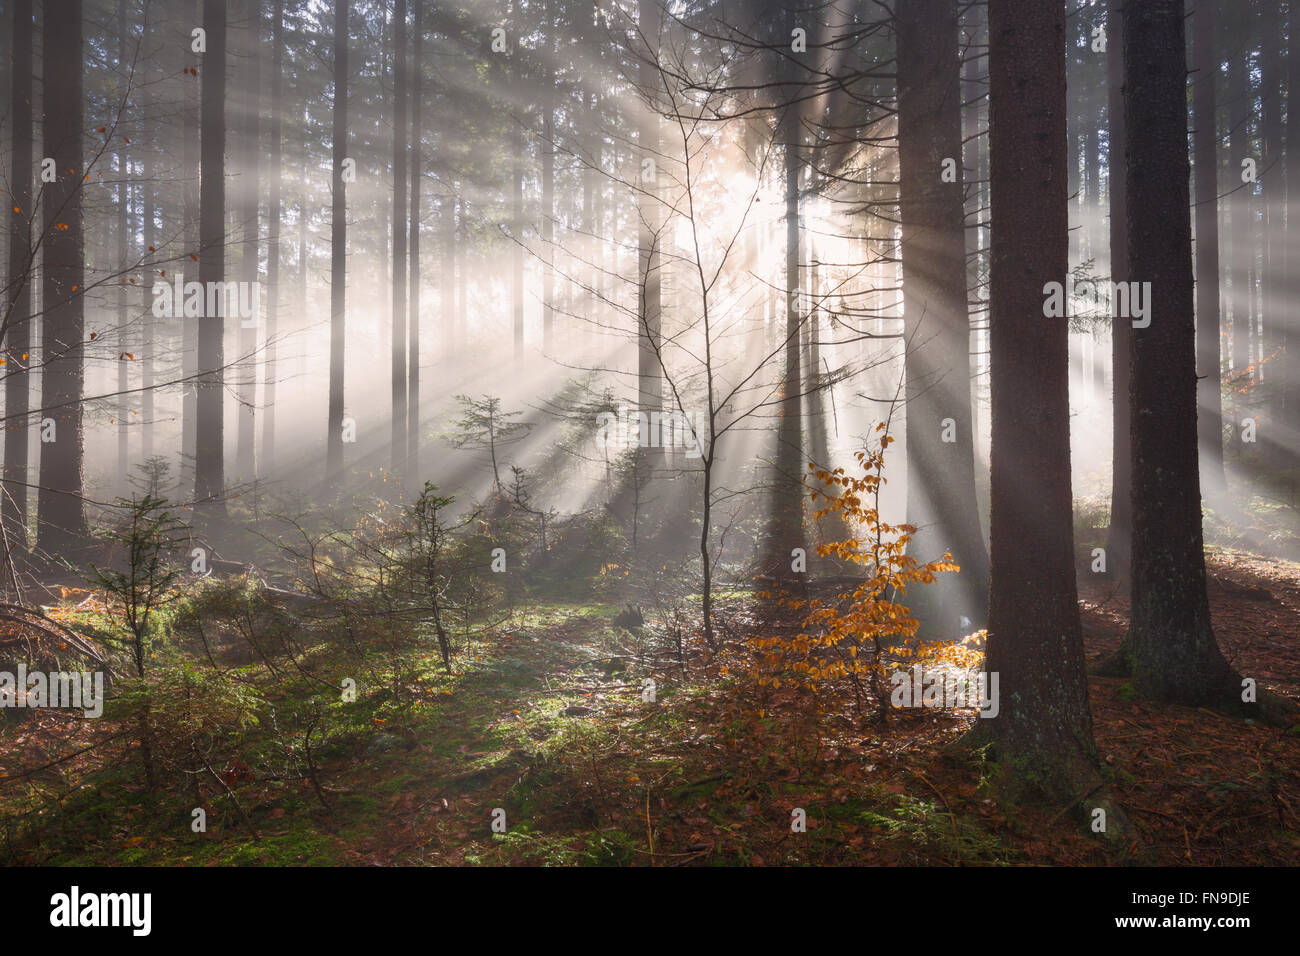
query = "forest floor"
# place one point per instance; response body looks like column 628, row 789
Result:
column 534, row 722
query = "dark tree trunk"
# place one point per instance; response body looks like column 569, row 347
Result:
column 209, row 457
column 1170, row 646
column 18, row 325
column 398, row 460
column 1043, row 732
column 149, row 326
column 649, row 214
column 188, row 266
column 786, row 531
column 517, row 230
column 123, row 251
column 1272, row 170
column 447, row 284
column 1121, row 330
column 413, row 310
column 273, row 238
column 1242, row 212
column 940, row 474
column 338, row 247
column 1205, row 143
column 547, row 215
column 61, row 526
column 1290, row 364
column 247, row 215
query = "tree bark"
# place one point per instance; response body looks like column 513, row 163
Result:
column 61, row 523
column 18, row 327
column 786, row 529
column 1043, row 732
column 1170, row 647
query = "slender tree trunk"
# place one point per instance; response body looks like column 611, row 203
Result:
column 1205, row 143
column 1121, row 520
column 61, row 526
column 413, row 310
column 1043, row 731
column 273, row 239
column 123, row 251
column 209, row 458
column 649, row 305
column 338, row 247
column 18, row 326
column 940, row 443
column 1241, row 206
column 447, row 286
column 247, row 214
column 148, row 325
column 460, row 332
column 1091, row 187
column 547, row 215
column 1290, row 364
column 399, row 423
column 786, row 531
column 517, row 228
column 189, row 266
column 1272, row 178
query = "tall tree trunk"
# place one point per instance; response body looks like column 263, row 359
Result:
column 447, row 283
column 1170, row 645
column 1272, row 179
column 209, row 456
column 1290, row 364
column 338, row 247
column 1241, row 207
column 1121, row 519
column 18, row 326
column 649, row 214
column 61, row 526
column 273, row 239
column 189, row 267
column 517, row 230
column 459, row 333
column 1205, row 143
column 398, row 461
column 787, row 504
column 149, row 327
column 940, row 443
column 547, row 215
column 247, row 214
column 1043, row 732
column 413, row 310
column 123, row 251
